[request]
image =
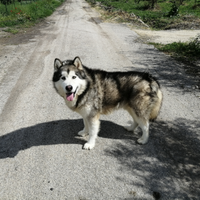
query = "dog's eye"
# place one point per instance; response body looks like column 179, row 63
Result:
column 63, row 78
column 73, row 77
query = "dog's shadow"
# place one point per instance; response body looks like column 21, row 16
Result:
column 52, row 133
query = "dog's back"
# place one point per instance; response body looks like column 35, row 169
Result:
column 137, row 90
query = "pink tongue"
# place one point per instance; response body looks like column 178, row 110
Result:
column 70, row 97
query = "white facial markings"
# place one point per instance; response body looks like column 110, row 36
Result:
column 69, row 78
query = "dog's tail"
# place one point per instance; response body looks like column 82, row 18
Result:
column 158, row 100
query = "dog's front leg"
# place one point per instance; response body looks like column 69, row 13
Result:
column 93, row 125
column 85, row 131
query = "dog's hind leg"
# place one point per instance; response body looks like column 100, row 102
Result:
column 144, row 125
column 85, row 131
column 133, row 124
column 93, row 125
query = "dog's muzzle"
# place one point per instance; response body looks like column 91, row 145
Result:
column 70, row 95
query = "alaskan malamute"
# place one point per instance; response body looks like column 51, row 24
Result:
column 91, row 92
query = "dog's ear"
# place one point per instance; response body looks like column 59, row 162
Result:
column 78, row 63
column 57, row 64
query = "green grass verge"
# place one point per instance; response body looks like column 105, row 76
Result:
column 24, row 13
column 12, row 30
column 184, row 51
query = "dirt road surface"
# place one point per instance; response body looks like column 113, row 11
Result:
column 41, row 156
column 170, row 36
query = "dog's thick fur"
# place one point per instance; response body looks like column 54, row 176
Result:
column 92, row 92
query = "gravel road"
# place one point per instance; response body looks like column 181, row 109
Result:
column 41, row 156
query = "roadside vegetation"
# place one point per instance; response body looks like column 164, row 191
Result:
column 186, row 52
column 24, row 12
column 158, row 14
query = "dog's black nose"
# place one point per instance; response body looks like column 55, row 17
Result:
column 68, row 88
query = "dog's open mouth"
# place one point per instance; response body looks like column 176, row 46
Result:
column 70, row 95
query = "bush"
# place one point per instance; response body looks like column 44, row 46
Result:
column 174, row 10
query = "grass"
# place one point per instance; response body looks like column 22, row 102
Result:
column 24, row 13
column 12, row 30
column 161, row 16
column 186, row 52
column 182, row 49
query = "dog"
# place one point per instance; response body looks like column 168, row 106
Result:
column 92, row 92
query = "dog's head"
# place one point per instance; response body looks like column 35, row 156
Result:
column 69, row 78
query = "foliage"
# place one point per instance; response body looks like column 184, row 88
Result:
column 20, row 12
column 174, row 10
column 11, row 30
column 189, row 50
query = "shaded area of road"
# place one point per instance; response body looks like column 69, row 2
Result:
column 175, row 155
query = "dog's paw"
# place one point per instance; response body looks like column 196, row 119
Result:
column 88, row 146
column 82, row 133
column 142, row 140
